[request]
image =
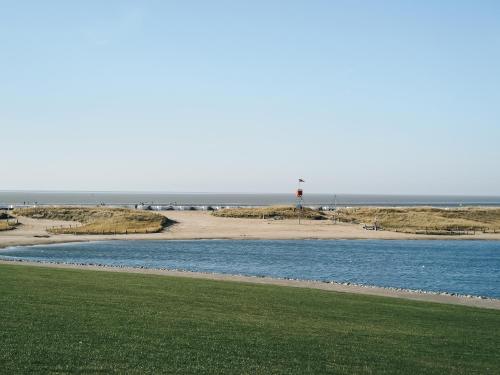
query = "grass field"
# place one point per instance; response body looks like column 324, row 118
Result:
column 99, row 220
column 71, row 321
column 285, row 212
column 415, row 219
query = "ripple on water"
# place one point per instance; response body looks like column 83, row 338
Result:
column 462, row 267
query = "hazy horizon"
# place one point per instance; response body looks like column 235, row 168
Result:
column 382, row 97
column 292, row 192
column 8, row 198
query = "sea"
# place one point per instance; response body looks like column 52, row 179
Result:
column 8, row 198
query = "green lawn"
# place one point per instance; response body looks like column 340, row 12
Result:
column 68, row 321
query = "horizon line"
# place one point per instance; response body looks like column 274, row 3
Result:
column 235, row 193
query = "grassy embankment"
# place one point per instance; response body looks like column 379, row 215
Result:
column 73, row 321
column 284, row 212
column 425, row 219
column 98, row 220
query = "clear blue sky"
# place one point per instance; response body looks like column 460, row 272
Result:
column 247, row 96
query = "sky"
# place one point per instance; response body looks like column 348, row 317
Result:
column 374, row 97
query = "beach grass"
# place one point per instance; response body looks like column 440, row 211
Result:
column 98, row 220
column 81, row 321
column 424, row 219
column 5, row 225
column 5, row 222
column 4, row 215
column 272, row 212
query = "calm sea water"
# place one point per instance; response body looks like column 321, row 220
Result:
column 464, row 267
column 20, row 197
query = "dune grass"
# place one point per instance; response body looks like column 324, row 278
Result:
column 98, row 220
column 4, row 215
column 285, row 212
column 428, row 219
column 75, row 321
column 402, row 219
column 5, row 225
column 6, row 222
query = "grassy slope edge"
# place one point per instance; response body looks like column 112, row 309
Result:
column 69, row 321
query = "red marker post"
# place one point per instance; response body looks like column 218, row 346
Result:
column 299, row 194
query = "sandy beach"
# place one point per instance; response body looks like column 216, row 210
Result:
column 202, row 225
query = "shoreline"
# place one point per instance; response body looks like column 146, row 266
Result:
column 194, row 226
column 197, row 225
column 332, row 286
column 104, row 238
